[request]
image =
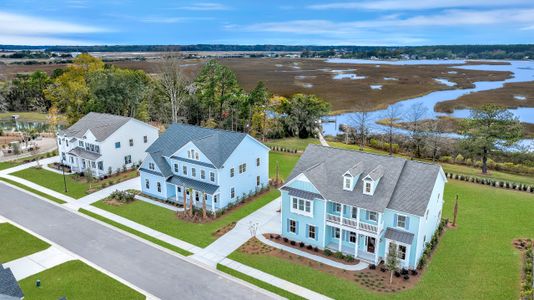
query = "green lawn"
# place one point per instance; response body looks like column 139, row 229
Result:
column 286, row 162
column 29, row 189
column 135, row 232
column 54, row 181
column 7, row 164
column 292, row 143
column 257, row 282
column 76, row 280
column 16, row 243
column 13, row 163
column 474, row 261
column 165, row 220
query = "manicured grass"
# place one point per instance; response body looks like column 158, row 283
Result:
column 165, row 220
column 286, row 162
column 135, row 232
column 13, row 163
column 292, row 143
column 29, row 189
column 25, row 116
column 54, row 181
column 76, row 280
column 474, row 261
column 259, row 283
column 16, row 243
column 7, row 164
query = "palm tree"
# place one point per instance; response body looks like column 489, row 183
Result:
column 191, row 201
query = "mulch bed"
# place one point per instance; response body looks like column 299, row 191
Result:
column 374, row 280
column 313, row 250
column 222, row 231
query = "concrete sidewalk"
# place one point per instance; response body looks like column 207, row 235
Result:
column 44, row 161
column 240, row 234
column 130, row 184
column 38, row 262
column 272, row 280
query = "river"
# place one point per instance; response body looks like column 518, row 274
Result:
column 522, row 71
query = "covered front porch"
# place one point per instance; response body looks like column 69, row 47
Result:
column 197, row 192
column 359, row 245
column 80, row 160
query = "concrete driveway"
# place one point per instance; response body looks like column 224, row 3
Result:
column 157, row 272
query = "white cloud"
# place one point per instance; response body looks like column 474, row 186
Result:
column 531, row 27
column 41, row 41
column 204, row 6
column 15, row 24
column 29, row 30
column 418, row 4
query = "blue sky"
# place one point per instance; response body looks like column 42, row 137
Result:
column 366, row 22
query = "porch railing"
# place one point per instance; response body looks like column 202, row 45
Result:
column 333, row 218
column 352, row 223
column 368, row 227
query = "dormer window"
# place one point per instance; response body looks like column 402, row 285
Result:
column 368, row 185
column 347, row 183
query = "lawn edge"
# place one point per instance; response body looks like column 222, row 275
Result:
column 135, row 232
column 32, row 190
column 257, row 282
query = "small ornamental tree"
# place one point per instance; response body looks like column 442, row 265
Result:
column 392, row 260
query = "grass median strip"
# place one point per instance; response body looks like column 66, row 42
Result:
column 258, row 283
column 32, row 190
column 135, row 232
column 16, row 243
column 76, row 280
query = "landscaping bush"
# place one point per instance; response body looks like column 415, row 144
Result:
column 122, row 196
column 397, row 274
column 293, row 243
column 301, row 244
column 406, row 277
column 414, row 272
column 309, row 247
column 404, row 271
column 349, row 258
column 383, row 269
column 286, row 240
column 315, row 249
column 327, row 252
column 372, row 266
column 339, row 255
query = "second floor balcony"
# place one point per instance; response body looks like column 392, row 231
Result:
column 352, row 223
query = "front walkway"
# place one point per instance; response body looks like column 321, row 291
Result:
column 240, row 234
column 34, row 263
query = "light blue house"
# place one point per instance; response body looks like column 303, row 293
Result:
column 360, row 203
column 202, row 164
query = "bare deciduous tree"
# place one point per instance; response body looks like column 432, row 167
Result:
column 361, row 121
column 415, row 115
column 391, row 115
column 174, row 84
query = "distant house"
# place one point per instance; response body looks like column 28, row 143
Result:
column 361, row 204
column 104, row 143
column 200, row 163
column 9, row 287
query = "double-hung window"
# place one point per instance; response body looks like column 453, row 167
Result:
column 202, row 174
column 354, row 213
column 159, row 187
column 131, row 142
column 151, row 166
column 193, row 172
column 401, row 252
column 147, row 184
column 336, row 207
column 312, row 232
column 372, row 216
column 175, row 168
column 212, row 177
column 145, row 139
column 232, row 171
column 292, row 226
column 258, row 162
column 336, row 232
column 127, row 159
column 352, row 237
column 232, row 193
column 401, row 221
column 184, row 169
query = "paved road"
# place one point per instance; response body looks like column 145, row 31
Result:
column 161, row 274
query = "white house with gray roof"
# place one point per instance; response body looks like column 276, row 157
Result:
column 104, row 143
column 195, row 163
column 361, row 203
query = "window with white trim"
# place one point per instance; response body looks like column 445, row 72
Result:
column 202, row 174
column 232, row 171
column 372, row 216
column 131, row 142
column 158, row 186
column 184, row 169
column 401, row 221
column 352, row 237
column 151, row 166
column 347, row 183
column 258, row 162
column 212, row 177
column 175, row 168
column 145, row 139
column 301, row 206
column 336, row 207
column 354, row 213
column 401, row 252
column 232, row 193
column 367, row 187
column 257, row 180
column 147, row 183
column 193, row 172
column 312, row 232
column 336, row 232
column 292, row 226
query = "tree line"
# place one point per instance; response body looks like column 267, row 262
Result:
column 213, row 98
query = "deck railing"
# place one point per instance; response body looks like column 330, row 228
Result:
column 352, row 223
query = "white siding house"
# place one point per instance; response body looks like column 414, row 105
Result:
column 104, row 143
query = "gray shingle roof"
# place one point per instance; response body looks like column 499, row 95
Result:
column 399, row 235
column 81, row 152
column 357, row 169
column 9, row 286
column 301, row 193
column 194, row 184
column 404, row 185
column 191, row 161
column 162, row 163
column 216, row 144
column 376, row 173
column 101, row 125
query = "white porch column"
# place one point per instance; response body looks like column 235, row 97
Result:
column 356, row 245
column 176, row 192
column 379, row 225
column 213, row 203
column 324, row 220
column 358, row 217
column 341, row 229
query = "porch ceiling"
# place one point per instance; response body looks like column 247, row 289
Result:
column 80, row 152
